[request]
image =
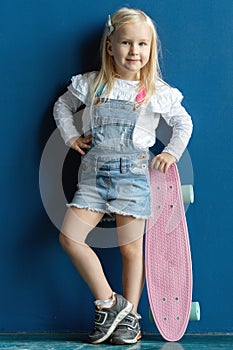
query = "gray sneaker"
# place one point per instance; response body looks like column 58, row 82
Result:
column 128, row 331
column 107, row 319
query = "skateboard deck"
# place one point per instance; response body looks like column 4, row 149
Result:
column 168, row 257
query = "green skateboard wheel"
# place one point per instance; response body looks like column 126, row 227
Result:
column 187, row 194
column 195, row 313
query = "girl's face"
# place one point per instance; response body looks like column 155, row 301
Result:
column 130, row 48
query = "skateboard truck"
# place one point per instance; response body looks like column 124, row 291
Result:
column 195, row 312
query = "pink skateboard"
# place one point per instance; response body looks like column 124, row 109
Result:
column 168, row 258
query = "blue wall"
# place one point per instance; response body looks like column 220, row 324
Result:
column 42, row 44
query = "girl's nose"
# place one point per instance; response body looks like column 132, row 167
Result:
column 133, row 49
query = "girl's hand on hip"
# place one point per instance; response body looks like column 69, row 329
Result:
column 77, row 143
column 162, row 162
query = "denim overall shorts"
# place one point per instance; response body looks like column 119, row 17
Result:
column 113, row 175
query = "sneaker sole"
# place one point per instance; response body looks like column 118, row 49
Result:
column 117, row 320
column 126, row 341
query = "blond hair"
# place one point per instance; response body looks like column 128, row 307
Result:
column 148, row 74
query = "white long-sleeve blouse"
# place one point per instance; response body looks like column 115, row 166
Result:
column 165, row 103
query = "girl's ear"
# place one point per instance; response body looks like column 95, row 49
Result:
column 109, row 47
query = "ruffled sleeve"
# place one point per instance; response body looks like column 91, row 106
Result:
column 167, row 101
column 80, row 87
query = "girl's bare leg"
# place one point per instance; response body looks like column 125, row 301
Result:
column 130, row 233
column 76, row 226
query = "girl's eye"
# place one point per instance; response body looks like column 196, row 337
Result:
column 142, row 44
column 125, row 42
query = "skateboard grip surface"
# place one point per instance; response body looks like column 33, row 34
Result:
column 168, row 258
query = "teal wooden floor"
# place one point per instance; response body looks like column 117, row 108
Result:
column 75, row 342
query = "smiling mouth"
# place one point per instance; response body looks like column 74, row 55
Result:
column 131, row 60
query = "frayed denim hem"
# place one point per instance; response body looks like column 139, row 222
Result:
column 121, row 212
column 109, row 217
column 111, row 211
column 86, row 207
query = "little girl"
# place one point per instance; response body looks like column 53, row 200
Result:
column 126, row 99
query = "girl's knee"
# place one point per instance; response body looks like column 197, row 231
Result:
column 131, row 250
column 69, row 244
column 65, row 241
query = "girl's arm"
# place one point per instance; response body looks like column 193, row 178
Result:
column 63, row 112
column 182, row 126
column 67, row 105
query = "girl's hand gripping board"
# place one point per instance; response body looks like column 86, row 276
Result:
column 168, row 257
